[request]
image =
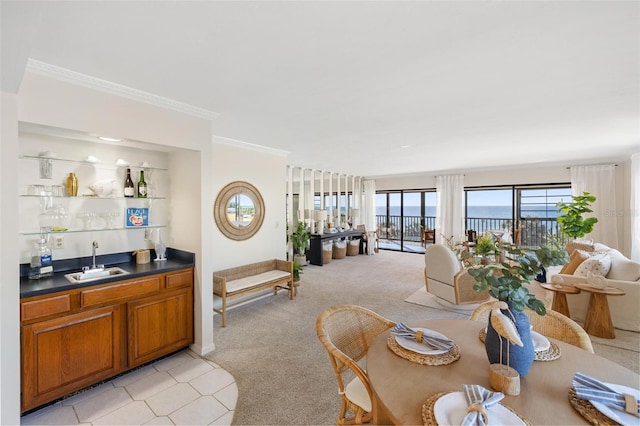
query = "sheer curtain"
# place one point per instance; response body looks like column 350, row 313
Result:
column 369, row 205
column 599, row 181
column 449, row 208
column 635, row 207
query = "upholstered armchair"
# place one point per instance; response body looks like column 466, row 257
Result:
column 446, row 279
column 615, row 270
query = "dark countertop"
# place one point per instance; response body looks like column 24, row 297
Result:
column 176, row 259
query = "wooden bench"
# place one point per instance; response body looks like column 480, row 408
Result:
column 246, row 279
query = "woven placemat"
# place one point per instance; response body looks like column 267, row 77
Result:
column 429, row 418
column 588, row 411
column 550, row 354
column 443, row 359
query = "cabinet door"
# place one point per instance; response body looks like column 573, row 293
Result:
column 65, row 354
column 159, row 325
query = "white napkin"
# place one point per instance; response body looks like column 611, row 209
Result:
column 594, row 390
column 431, row 342
column 480, row 400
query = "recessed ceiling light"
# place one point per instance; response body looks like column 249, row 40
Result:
column 405, row 146
column 106, row 139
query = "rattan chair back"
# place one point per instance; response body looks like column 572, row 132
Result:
column 553, row 324
column 346, row 332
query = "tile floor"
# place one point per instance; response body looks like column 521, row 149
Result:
column 183, row 389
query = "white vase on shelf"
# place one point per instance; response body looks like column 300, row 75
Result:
column 161, row 249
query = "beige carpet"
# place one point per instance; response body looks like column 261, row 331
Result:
column 270, row 346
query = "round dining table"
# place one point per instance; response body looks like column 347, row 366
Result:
column 401, row 386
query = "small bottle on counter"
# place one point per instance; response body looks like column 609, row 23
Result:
column 142, row 186
column 72, row 185
column 41, row 265
column 129, row 188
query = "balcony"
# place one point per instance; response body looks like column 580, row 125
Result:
column 404, row 232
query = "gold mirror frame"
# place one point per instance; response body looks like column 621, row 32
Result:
column 220, row 210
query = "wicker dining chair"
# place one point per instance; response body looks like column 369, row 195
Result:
column 346, row 332
column 553, row 324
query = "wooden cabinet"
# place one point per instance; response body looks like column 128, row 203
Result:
column 161, row 324
column 64, row 354
column 79, row 337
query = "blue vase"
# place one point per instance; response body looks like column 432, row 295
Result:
column 520, row 357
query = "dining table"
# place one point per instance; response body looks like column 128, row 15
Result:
column 401, row 386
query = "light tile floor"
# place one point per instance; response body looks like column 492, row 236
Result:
column 182, row 389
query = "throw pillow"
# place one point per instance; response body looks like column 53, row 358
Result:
column 576, row 258
column 598, row 264
column 575, row 245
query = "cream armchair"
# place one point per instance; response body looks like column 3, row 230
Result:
column 446, row 279
column 623, row 274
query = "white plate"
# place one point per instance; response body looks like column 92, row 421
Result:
column 421, row 348
column 451, row 409
column 614, row 414
column 540, row 343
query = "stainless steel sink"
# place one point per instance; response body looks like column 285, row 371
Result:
column 94, row 275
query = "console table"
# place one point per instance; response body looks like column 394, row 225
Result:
column 316, row 241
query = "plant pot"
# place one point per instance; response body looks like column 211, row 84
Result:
column 301, row 259
column 519, row 358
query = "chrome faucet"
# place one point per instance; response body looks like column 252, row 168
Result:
column 94, row 246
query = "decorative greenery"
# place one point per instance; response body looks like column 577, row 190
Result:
column 506, row 280
column 571, row 223
column 300, row 238
column 486, row 246
column 297, row 270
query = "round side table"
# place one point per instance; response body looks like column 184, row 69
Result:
column 598, row 321
column 560, row 292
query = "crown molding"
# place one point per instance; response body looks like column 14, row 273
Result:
column 59, row 73
column 221, row 140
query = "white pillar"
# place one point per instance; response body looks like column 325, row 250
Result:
column 290, row 221
column 330, row 212
column 338, row 205
column 301, row 207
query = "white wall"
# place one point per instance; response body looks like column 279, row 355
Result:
column 9, row 275
column 529, row 175
column 268, row 174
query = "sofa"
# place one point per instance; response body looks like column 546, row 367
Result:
column 602, row 266
column 446, row 279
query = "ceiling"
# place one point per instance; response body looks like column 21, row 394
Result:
column 366, row 88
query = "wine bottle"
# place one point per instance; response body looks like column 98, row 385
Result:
column 129, row 188
column 142, row 186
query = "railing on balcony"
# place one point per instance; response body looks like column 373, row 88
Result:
column 533, row 231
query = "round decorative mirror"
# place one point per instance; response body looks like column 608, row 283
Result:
column 239, row 210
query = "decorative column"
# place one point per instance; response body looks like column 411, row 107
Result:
column 290, row 222
column 330, row 211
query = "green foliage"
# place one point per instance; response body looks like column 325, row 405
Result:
column 571, row 223
column 506, row 280
column 485, row 245
column 297, row 269
column 300, row 238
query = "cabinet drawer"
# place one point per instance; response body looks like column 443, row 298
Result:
column 45, row 307
column 179, row 279
column 124, row 290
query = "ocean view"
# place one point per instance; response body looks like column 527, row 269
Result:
column 499, row 212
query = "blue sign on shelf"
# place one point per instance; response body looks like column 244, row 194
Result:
column 137, row 217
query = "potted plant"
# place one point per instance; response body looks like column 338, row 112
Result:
column 300, row 240
column 506, row 282
column 571, row 223
column 297, row 270
column 486, row 247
